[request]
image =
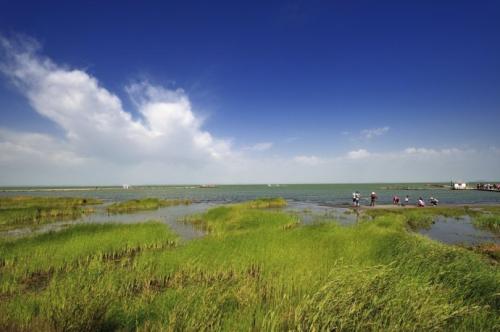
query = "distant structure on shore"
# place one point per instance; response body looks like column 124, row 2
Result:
column 488, row 186
column 460, row 185
column 125, row 186
column 208, row 186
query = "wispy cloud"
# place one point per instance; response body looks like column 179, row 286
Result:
column 307, row 160
column 374, row 132
column 259, row 147
column 358, row 154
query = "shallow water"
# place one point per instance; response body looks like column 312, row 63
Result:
column 168, row 215
column 459, row 231
column 310, row 213
column 447, row 230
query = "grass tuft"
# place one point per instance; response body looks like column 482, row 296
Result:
column 145, row 204
column 488, row 221
column 22, row 211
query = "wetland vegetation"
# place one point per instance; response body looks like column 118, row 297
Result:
column 417, row 218
column 256, row 269
column 145, row 204
column 23, row 211
column 490, row 222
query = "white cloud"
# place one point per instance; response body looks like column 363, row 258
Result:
column 104, row 144
column 407, row 165
column 259, row 147
column 94, row 121
column 358, row 154
column 374, row 132
column 308, row 160
column 435, row 152
column 31, row 147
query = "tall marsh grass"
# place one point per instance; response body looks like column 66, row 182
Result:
column 251, row 272
column 31, row 211
column 488, row 221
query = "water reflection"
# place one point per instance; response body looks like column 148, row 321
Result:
column 309, row 213
column 447, row 230
column 458, row 231
column 168, row 215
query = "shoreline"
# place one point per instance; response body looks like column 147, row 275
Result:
column 413, row 206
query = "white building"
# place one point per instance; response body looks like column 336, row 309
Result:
column 459, row 185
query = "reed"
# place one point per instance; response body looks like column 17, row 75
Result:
column 488, row 221
column 23, row 211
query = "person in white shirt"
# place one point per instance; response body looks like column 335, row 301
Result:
column 421, row 202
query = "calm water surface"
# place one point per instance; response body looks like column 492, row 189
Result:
column 459, row 231
column 327, row 194
column 311, row 203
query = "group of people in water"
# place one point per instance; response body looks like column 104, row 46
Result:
column 356, row 197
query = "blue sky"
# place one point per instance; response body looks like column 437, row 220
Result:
column 296, row 91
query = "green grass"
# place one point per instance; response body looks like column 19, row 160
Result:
column 262, row 203
column 23, row 211
column 145, row 204
column 417, row 218
column 49, row 202
column 255, row 270
column 488, row 221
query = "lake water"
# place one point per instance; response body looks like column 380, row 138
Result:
column 311, row 203
column 326, row 194
column 459, row 231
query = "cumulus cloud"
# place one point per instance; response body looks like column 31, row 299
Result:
column 94, row 120
column 27, row 147
column 374, row 132
column 103, row 143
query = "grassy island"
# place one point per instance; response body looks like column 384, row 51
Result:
column 145, row 204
